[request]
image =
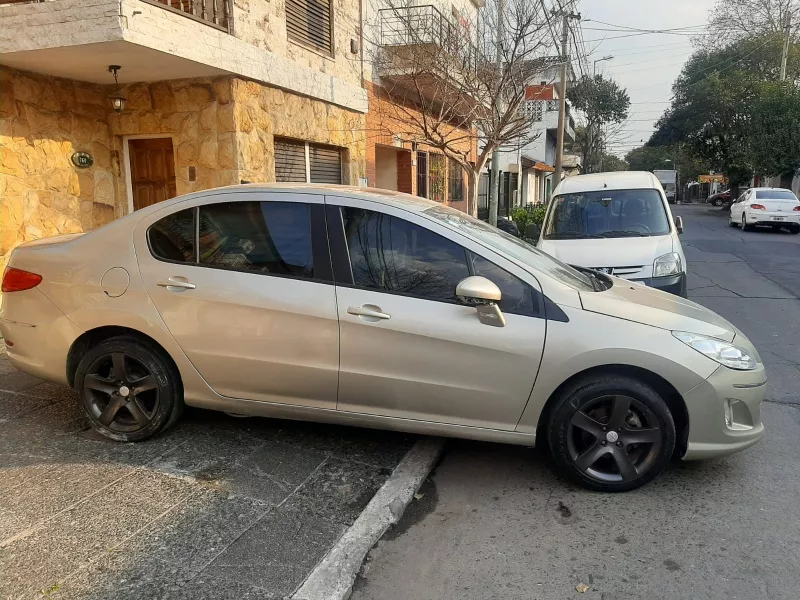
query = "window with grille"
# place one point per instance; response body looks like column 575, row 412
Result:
column 310, row 22
column 533, row 109
column 436, row 177
column 455, row 181
column 552, row 105
column 306, row 162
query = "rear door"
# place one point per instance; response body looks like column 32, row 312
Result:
column 243, row 282
column 408, row 349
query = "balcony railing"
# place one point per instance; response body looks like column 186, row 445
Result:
column 216, row 13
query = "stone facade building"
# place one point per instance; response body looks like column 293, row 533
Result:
column 213, row 89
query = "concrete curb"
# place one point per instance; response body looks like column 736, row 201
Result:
column 333, row 577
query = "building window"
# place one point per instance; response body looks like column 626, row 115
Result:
column 309, row 22
column 552, row 105
column 436, row 177
column 307, row 162
column 456, row 181
column 533, row 109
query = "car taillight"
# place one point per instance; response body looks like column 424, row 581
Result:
column 797, row 208
column 758, row 206
column 17, row 280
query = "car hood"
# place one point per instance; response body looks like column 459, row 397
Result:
column 641, row 304
column 608, row 252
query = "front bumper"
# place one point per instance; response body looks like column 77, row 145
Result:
column 674, row 284
column 725, row 413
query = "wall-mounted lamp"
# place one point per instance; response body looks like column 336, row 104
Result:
column 118, row 100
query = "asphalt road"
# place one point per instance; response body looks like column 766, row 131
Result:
column 494, row 522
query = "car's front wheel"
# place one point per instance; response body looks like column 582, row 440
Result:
column 128, row 390
column 611, row 433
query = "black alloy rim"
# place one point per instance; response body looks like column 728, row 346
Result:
column 614, row 438
column 121, row 392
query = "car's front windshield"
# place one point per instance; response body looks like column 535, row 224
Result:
column 505, row 243
column 607, row 214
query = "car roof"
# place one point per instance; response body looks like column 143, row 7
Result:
column 770, row 189
column 617, row 180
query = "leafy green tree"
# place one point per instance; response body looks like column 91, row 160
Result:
column 602, row 102
column 775, row 126
column 612, row 162
column 651, row 158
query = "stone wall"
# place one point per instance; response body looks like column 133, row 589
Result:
column 261, row 112
column 43, row 121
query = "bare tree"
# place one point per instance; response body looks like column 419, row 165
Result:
column 733, row 20
column 443, row 89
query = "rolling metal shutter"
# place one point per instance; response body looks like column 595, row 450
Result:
column 290, row 160
column 309, row 22
column 325, row 163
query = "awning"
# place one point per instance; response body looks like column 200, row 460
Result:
column 529, row 163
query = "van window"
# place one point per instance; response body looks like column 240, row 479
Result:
column 607, row 214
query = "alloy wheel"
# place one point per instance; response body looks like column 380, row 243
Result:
column 614, row 438
column 121, row 392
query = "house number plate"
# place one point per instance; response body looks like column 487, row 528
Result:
column 82, row 160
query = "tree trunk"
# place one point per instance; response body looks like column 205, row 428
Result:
column 473, row 177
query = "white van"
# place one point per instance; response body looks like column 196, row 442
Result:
column 617, row 223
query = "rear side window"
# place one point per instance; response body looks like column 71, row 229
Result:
column 393, row 255
column 775, row 195
column 172, row 238
column 271, row 238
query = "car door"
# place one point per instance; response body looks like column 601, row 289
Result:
column 243, row 282
column 408, row 349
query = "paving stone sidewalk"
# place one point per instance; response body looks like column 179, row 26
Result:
column 217, row 507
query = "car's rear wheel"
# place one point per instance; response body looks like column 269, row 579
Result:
column 128, row 390
column 717, row 201
column 611, row 434
column 731, row 222
column 745, row 226
column 794, row 229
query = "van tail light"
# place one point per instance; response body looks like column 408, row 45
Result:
column 758, row 206
column 17, row 280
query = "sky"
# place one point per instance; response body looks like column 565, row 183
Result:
column 646, row 65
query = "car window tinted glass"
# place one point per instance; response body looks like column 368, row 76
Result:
column 172, row 238
column 775, row 195
column 272, row 238
column 508, row 245
column 607, row 213
column 391, row 254
column 517, row 296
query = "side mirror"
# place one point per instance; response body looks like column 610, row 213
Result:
column 533, row 231
column 679, row 224
column 483, row 295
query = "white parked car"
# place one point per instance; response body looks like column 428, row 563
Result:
column 773, row 207
column 617, row 223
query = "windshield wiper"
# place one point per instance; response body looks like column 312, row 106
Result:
column 623, row 233
column 563, row 235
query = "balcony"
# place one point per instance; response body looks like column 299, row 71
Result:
column 216, row 13
column 422, row 52
column 550, row 120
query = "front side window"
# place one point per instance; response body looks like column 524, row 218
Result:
column 607, row 214
column 517, row 296
column 272, row 238
column 172, row 238
column 393, row 255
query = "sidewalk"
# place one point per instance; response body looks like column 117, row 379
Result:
column 217, row 507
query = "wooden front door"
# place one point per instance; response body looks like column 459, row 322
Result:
column 152, row 171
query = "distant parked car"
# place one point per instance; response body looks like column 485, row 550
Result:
column 772, row 207
column 507, row 225
column 721, row 198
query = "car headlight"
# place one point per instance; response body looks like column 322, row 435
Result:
column 730, row 355
column 669, row 264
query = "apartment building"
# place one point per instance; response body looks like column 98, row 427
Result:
column 397, row 158
column 536, row 158
column 207, row 93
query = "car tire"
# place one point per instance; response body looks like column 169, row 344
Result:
column 717, row 202
column 795, row 229
column 731, row 222
column 745, row 226
column 128, row 390
column 592, row 426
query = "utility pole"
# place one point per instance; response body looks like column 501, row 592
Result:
column 494, row 183
column 562, row 92
column 785, row 54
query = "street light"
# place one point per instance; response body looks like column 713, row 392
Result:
column 594, row 66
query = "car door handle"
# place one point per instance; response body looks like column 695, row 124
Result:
column 174, row 282
column 369, row 311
